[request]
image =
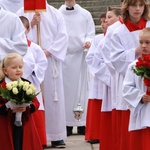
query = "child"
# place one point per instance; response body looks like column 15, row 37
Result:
column 102, row 73
column 124, row 50
column 134, row 93
column 14, row 137
column 114, row 20
column 95, row 95
column 35, row 72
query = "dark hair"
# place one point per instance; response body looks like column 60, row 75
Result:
column 103, row 15
column 116, row 10
column 127, row 3
column 25, row 21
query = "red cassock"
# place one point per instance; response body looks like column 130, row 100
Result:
column 93, row 120
column 31, row 140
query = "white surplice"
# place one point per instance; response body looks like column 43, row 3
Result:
column 11, row 5
column 102, row 73
column 123, row 44
column 12, row 34
column 34, row 69
column 55, row 40
column 80, row 28
column 96, row 91
column 133, row 91
column 106, row 49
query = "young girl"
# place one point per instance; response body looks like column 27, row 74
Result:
column 14, row 137
column 134, row 93
column 95, row 95
column 125, row 50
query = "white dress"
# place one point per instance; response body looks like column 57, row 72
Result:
column 55, row 40
column 80, row 28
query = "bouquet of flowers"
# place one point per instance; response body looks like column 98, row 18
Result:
column 142, row 69
column 19, row 94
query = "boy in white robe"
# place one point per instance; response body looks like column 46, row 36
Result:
column 12, row 34
column 81, row 30
column 54, row 41
column 34, row 70
column 92, row 133
column 138, row 101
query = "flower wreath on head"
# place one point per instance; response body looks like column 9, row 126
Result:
column 142, row 69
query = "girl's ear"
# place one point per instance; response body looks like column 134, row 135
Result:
column 5, row 71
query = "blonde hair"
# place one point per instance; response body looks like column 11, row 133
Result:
column 127, row 3
column 6, row 62
column 145, row 31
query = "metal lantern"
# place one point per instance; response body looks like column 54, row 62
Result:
column 78, row 111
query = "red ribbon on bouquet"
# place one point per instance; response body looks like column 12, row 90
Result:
column 34, row 5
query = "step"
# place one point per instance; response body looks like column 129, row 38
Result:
column 87, row 3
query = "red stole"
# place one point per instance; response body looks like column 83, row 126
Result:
column 133, row 27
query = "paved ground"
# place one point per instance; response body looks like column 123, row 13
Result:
column 77, row 142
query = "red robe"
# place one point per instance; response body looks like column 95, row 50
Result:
column 31, row 140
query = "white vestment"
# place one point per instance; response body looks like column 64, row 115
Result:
column 106, row 49
column 11, row 5
column 102, row 73
column 34, row 69
column 95, row 91
column 133, row 91
column 12, row 34
column 54, row 39
column 80, row 28
column 123, row 45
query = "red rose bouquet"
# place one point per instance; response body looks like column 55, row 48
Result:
column 142, row 69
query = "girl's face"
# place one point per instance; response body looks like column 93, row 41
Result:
column 111, row 18
column 135, row 11
column 145, row 43
column 104, row 24
column 14, row 70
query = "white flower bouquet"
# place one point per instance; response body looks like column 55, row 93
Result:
column 19, row 94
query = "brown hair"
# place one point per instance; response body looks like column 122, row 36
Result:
column 25, row 21
column 127, row 3
column 115, row 10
